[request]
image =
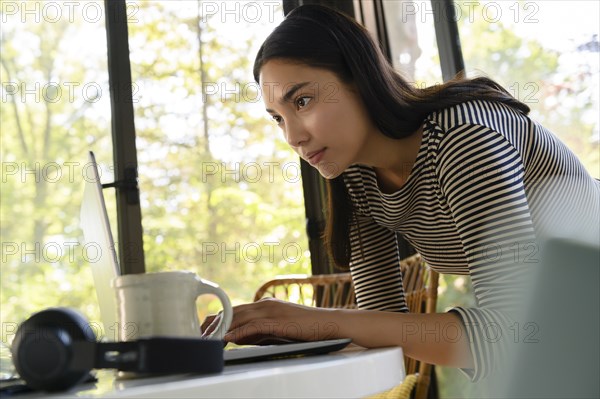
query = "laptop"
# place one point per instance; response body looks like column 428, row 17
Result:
column 100, row 247
column 97, row 233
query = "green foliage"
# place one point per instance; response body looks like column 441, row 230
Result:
column 219, row 214
column 48, row 118
column 562, row 97
column 237, row 229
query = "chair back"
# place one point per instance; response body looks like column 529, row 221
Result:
column 324, row 291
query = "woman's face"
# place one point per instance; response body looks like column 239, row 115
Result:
column 322, row 119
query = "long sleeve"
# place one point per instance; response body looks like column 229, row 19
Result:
column 481, row 176
column 375, row 267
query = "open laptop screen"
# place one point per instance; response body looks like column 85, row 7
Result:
column 99, row 246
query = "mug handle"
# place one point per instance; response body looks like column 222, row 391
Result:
column 208, row 287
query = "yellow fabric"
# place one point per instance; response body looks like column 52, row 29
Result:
column 400, row 391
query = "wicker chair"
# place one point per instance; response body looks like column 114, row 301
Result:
column 336, row 291
column 324, row 291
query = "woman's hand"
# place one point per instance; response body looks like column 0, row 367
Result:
column 268, row 319
column 421, row 336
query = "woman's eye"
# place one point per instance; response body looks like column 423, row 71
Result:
column 303, row 101
column 277, row 119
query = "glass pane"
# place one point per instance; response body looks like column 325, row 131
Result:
column 411, row 32
column 546, row 54
column 55, row 107
column 221, row 191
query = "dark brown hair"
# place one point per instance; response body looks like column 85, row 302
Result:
column 321, row 37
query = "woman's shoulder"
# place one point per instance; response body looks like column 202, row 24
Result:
column 359, row 180
column 493, row 114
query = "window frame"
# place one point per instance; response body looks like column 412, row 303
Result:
column 129, row 215
column 370, row 13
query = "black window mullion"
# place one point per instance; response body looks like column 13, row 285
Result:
column 447, row 37
column 129, row 216
column 382, row 35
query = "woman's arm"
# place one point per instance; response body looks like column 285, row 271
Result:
column 438, row 338
column 481, row 178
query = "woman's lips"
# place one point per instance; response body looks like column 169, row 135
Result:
column 315, row 157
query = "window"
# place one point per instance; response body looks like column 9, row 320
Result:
column 411, row 36
column 55, row 105
column 221, row 192
column 546, row 54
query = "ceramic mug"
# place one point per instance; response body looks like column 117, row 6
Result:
column 164, row 304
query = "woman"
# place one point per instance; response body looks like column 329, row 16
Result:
column 459, row 169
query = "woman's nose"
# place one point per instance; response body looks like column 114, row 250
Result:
column 295, row 134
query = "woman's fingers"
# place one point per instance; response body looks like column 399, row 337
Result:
column 209, row 319
column 246, row 313
column 274, row 319
column 210, row 324
column 242, row 314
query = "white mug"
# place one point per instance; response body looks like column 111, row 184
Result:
column 164, row 304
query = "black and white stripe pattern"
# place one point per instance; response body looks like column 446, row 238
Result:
column 487, row 183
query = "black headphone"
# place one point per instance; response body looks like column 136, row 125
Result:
column 55, row 349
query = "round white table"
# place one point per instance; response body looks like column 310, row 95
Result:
column 351, row 373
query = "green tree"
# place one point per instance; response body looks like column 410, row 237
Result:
column 184, row 134
column 229, row 215
column 53, row 104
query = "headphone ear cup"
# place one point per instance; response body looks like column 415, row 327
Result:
column 43, row 349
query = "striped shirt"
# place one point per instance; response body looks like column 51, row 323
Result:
column 487, row 183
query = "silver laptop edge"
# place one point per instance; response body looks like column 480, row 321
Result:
column 99, row 245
